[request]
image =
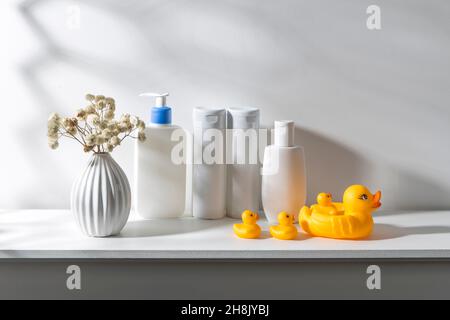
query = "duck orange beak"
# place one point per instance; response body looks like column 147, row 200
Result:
column 376, row 200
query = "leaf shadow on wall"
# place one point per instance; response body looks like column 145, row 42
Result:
column 331, row 166
column 32, row 70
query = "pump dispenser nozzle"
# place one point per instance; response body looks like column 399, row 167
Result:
column 161, row 113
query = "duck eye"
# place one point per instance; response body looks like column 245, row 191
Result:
column 364, row 197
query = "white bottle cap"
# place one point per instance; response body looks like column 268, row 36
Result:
column 284, row 133
column 208, row 118
column 243, row 118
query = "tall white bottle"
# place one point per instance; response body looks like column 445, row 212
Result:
column 160, row 168
column 283, row 174
column 243, row 171
column 209, row 178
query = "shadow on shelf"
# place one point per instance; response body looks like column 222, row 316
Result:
column 155, row 228
column 265, row 234
column 388, row 231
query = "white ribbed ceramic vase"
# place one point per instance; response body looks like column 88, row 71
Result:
column 101, row 197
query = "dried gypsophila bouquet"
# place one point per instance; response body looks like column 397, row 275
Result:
column 94, row 127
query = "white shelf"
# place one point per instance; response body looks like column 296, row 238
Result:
column 53, row 234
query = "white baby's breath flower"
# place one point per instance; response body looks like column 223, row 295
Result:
column 103, row 125
column 69, row 122
column 99, row 98
column 94, row 127
column 110, row 101
column 54, row 118
column 53, row 144
column 93, row 120
column 109, row 115
column 88, row 148
column 134, row 120
column 100, row 140
column 107, row 133
column 123, row 127
column 142, row 137
column 52, row 134
column 101, row 105
column 90, row 140
column 53, row 126
column 115, row 141
column 114, row 127
column 72, row 130
column 81, row 115
column 140, row 125
column 90, row 109
column 112, row 124
column 125, row 118
column 65, row 122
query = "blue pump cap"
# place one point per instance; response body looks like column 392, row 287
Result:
column 161, row 113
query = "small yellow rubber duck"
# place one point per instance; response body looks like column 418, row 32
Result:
column 325, row 204
column 286, row 229
column 248, row 229
column 353, row 221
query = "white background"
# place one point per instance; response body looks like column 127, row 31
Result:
column 371, row 107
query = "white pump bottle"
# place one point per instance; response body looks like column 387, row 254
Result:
column 160, row 169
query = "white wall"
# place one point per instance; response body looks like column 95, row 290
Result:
column 371, row 106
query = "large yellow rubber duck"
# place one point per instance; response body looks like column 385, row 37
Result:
column 353, row 219
column 248, row 229
column 286, row 229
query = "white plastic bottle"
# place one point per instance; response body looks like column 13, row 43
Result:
column 209, row 165
column 283, row 174
column 243, row 171
column 160, row 168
